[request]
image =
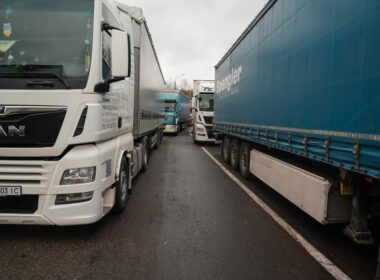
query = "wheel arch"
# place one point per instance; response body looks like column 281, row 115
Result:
column 127, row 155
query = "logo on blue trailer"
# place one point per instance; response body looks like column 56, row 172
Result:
column 225, row 85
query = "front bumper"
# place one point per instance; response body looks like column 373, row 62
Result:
column 203, row 133
column 42, row 178
column 170, row 129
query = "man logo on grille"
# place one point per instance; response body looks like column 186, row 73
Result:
column 12, row 131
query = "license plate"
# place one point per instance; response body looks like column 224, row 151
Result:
column 10, row 191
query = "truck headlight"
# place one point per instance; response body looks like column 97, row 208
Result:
column 200, row 129
column 75, row 176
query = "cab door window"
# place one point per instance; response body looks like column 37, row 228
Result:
column 107, row 43
column 107, row 49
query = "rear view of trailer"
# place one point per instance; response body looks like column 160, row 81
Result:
column 305, row 78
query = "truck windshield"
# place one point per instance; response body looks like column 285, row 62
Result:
column 46, row 39
column 206, row 102
column 168, row 106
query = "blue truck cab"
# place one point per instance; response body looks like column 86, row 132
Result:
column 176, row 108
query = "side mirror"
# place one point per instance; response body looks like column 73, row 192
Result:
column 121, row 54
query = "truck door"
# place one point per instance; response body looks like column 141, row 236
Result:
column 112, row 121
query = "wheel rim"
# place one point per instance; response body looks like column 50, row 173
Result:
column 123, row 185
column 243, row 162
column 225, row 149
column 233, row 153
column 146, row 156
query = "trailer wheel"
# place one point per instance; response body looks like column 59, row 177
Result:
column 145, row 155
column 235, row 154
column 226, row 149
column 159, row 139
column 244, row 159
column 121, row 188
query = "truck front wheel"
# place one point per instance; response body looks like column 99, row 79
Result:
column 235, row 153
column 121, row 188
column 244, row 159
column 159, row 139
column 226, row 149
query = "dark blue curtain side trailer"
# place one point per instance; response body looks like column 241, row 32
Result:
column 304, row 80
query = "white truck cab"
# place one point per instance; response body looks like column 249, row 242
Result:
column 203, row 111
column 68, row 94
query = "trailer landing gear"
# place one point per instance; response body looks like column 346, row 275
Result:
column 358, row 231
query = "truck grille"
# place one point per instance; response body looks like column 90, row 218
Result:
column 22, row 174
column 210, row 133
column 26, row 204
column 32, row 175
column 208, row 120
column 23, row 120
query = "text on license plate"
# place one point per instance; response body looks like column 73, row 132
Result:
column 10, row 191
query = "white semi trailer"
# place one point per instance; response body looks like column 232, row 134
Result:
column 203, row 111
column 78, row 108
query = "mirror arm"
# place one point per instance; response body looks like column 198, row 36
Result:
column 107, row 28
column 104, row 87
column 114, row 80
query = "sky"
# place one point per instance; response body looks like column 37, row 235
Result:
column 192, row 36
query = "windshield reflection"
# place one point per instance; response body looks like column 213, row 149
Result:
column 54, row 35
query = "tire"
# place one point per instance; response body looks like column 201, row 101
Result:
column 235, row 154
column 145, row 156
column 226, row 149
column 159, row 139
column 121, row 188
column 244, row 159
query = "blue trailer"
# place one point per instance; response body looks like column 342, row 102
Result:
column 296, row 103
column 177, row 109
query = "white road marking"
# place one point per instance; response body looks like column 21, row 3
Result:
column 317, row 255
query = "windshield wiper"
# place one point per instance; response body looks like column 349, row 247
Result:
column 40, row 84
column 36, row 75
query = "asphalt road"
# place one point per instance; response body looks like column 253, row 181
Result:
column 185, row 220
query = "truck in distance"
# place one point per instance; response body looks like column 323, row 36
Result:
column 295, row 107
column 78, row 114
column 203, row 111
column 176, row 108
